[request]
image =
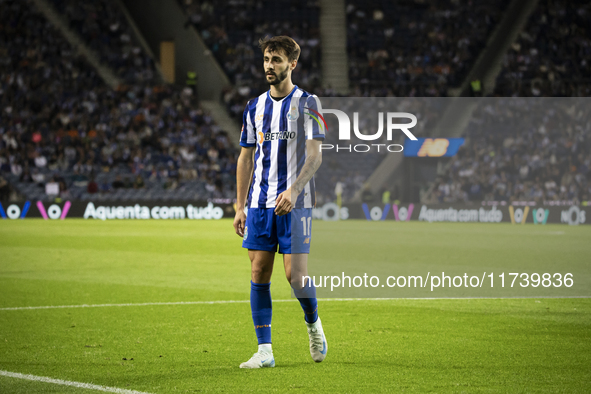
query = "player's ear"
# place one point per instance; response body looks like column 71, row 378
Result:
column 294, row 63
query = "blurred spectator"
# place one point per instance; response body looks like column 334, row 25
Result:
column 64, row 192
column 26, row 176
column 52, row 188
column 118, row 183
column 79, row 180
column 366, row 194
column 105, row 187
column 92, row 187
column 170, row 184
column 16, row 169
column 38, row 177
column 127, row 183
column 139, row 182
column 4, row 189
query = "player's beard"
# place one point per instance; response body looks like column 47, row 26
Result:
column 278, row 78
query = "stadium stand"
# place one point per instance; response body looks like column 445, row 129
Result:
column 540, row 158
column 381, row 64
column 104, row 28
column 231, row 29
column 441, row 40
column 62, row 124
column 551, row 57
column 545, row 161
column 146, row 140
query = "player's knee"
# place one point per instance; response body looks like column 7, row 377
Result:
column 296, row 283
column 259, row 273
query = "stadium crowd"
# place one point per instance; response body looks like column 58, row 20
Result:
column 380, row 64
column 545, row 159
column 104, row 28
column 441, row 41
column 552, row 55
column 232, row 29
column 544, row 155
column 62, row 124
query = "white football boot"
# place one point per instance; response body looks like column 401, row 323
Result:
column 318, row 345
column 260, row 359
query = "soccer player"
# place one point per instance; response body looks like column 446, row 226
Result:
column 282, row 131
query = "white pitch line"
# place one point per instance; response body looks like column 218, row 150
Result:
column 20, row 308
column 89, row 386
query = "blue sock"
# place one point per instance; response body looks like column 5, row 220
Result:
column 307, row 298
column 262, row 310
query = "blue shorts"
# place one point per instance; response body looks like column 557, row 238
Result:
column 265, row 230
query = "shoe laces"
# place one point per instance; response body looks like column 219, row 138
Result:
column 261, row 355
column 316, row 338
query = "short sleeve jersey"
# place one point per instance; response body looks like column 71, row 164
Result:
column 279, row 130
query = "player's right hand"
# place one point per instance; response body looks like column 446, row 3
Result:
column 240, row 222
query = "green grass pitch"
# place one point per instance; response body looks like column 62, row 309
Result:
column 400, row 345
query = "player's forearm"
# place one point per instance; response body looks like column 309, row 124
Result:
column 243, row 177
column 308, row 170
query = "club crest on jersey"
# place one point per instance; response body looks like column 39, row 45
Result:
column 293, row 113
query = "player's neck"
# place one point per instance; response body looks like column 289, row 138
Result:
column 282, row 89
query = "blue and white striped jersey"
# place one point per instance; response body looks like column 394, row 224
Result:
column 279, row 130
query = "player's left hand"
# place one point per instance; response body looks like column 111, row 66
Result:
column 283, row 203
column 240, row 222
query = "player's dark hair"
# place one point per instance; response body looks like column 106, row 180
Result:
column 278, row 43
